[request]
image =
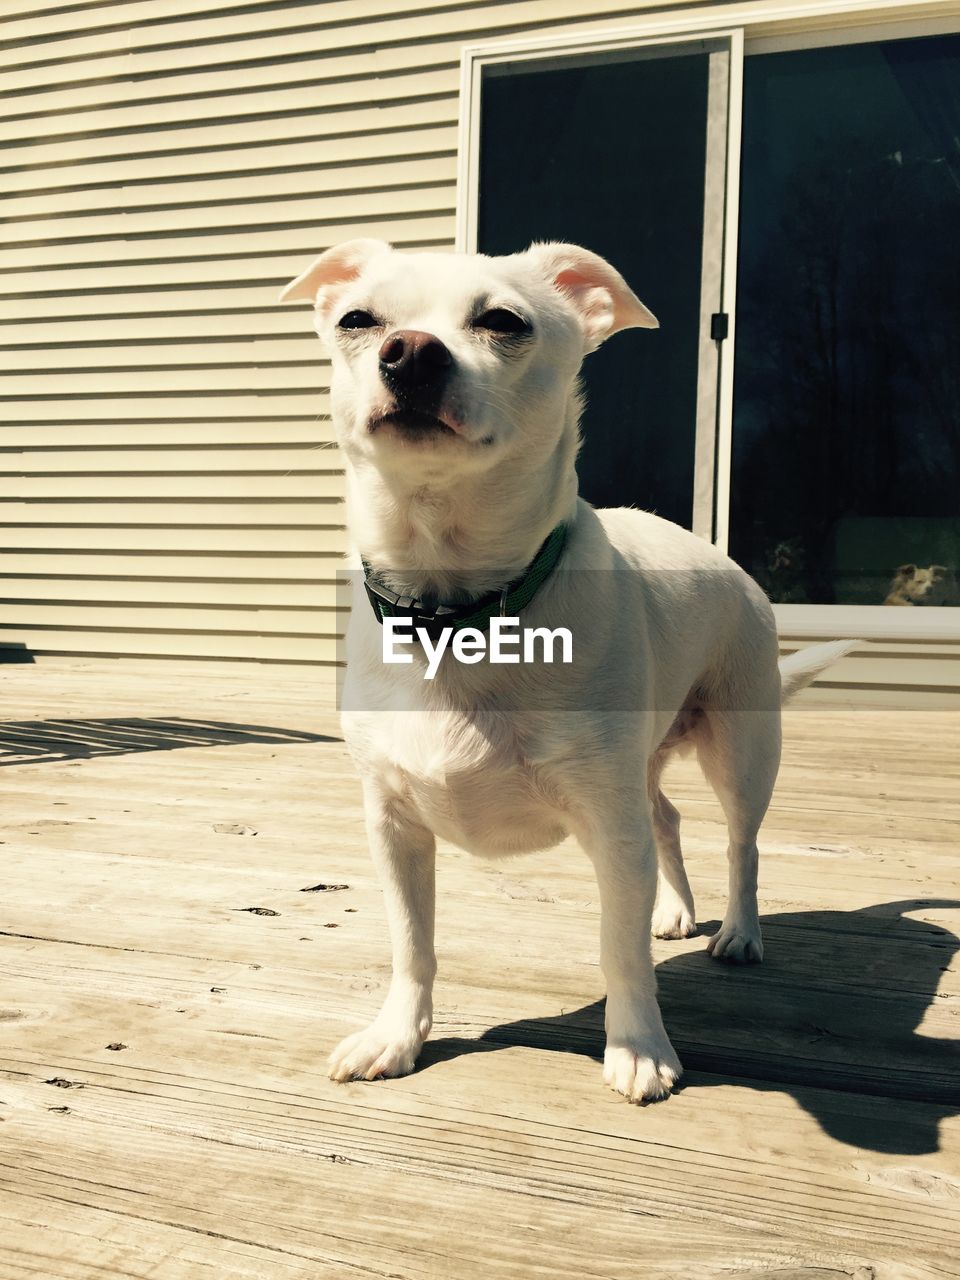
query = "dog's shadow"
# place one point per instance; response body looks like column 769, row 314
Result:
column 832, row 1013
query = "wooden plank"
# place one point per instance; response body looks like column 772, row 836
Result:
column 134, row 684
column 801, row 1154
column 823, row 954
column 253, row 1199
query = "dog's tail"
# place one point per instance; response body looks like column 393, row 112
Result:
column 801, row 668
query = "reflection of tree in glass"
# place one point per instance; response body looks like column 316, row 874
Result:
column 848, row 377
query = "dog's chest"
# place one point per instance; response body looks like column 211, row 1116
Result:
column 473, row 784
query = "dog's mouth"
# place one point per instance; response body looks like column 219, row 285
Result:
column 413, row 424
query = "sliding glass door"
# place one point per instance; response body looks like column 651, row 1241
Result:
column 845, row 466
column 625, row 150
column 828, row 463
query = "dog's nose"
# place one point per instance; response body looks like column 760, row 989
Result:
column 410, row 358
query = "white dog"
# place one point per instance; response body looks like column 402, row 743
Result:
column 456, row 404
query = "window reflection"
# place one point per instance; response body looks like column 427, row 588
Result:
column 846, row 441
column 550, row 171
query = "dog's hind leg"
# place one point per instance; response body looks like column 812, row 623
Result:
column 674, row 915
column 739, row 752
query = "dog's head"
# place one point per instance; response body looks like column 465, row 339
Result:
column 921, row 585
column 444, row 363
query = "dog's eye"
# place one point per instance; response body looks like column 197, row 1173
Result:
column 500, row 320
column 357, row 320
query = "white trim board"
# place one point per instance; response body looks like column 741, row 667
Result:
column 947, row 22
column 868, row 622
column 754, row 19
column 475, row 57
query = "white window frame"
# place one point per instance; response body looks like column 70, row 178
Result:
column 762, row 28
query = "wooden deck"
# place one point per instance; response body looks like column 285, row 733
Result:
column 189, row 922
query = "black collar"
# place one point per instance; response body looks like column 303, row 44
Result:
column 507, row 602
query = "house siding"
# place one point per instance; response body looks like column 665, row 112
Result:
column 170, row 483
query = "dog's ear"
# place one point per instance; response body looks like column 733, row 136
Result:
column 906, row 571
column 322, row 280
column 602, row 298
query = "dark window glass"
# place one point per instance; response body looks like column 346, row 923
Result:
column 846, row 440
column 610, row 155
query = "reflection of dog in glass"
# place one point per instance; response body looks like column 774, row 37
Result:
column 912, row 585
column 786, row 569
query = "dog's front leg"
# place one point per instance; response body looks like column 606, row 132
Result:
column 404, row 853
column 639, row 1061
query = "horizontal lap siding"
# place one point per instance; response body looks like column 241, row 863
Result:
column 169, row 480
column 169, row 477
column 890, row 673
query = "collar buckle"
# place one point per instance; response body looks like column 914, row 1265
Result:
column 394, row 598
column 403, row 605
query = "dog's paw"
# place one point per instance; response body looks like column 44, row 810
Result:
column 642, row 1072
column 374, row 1054
column 673, row 921
column 737, row 944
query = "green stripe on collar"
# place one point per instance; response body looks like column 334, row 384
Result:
column 507, row 602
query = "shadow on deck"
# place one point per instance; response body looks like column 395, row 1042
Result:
column 48, row 741
column 833, row 1011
